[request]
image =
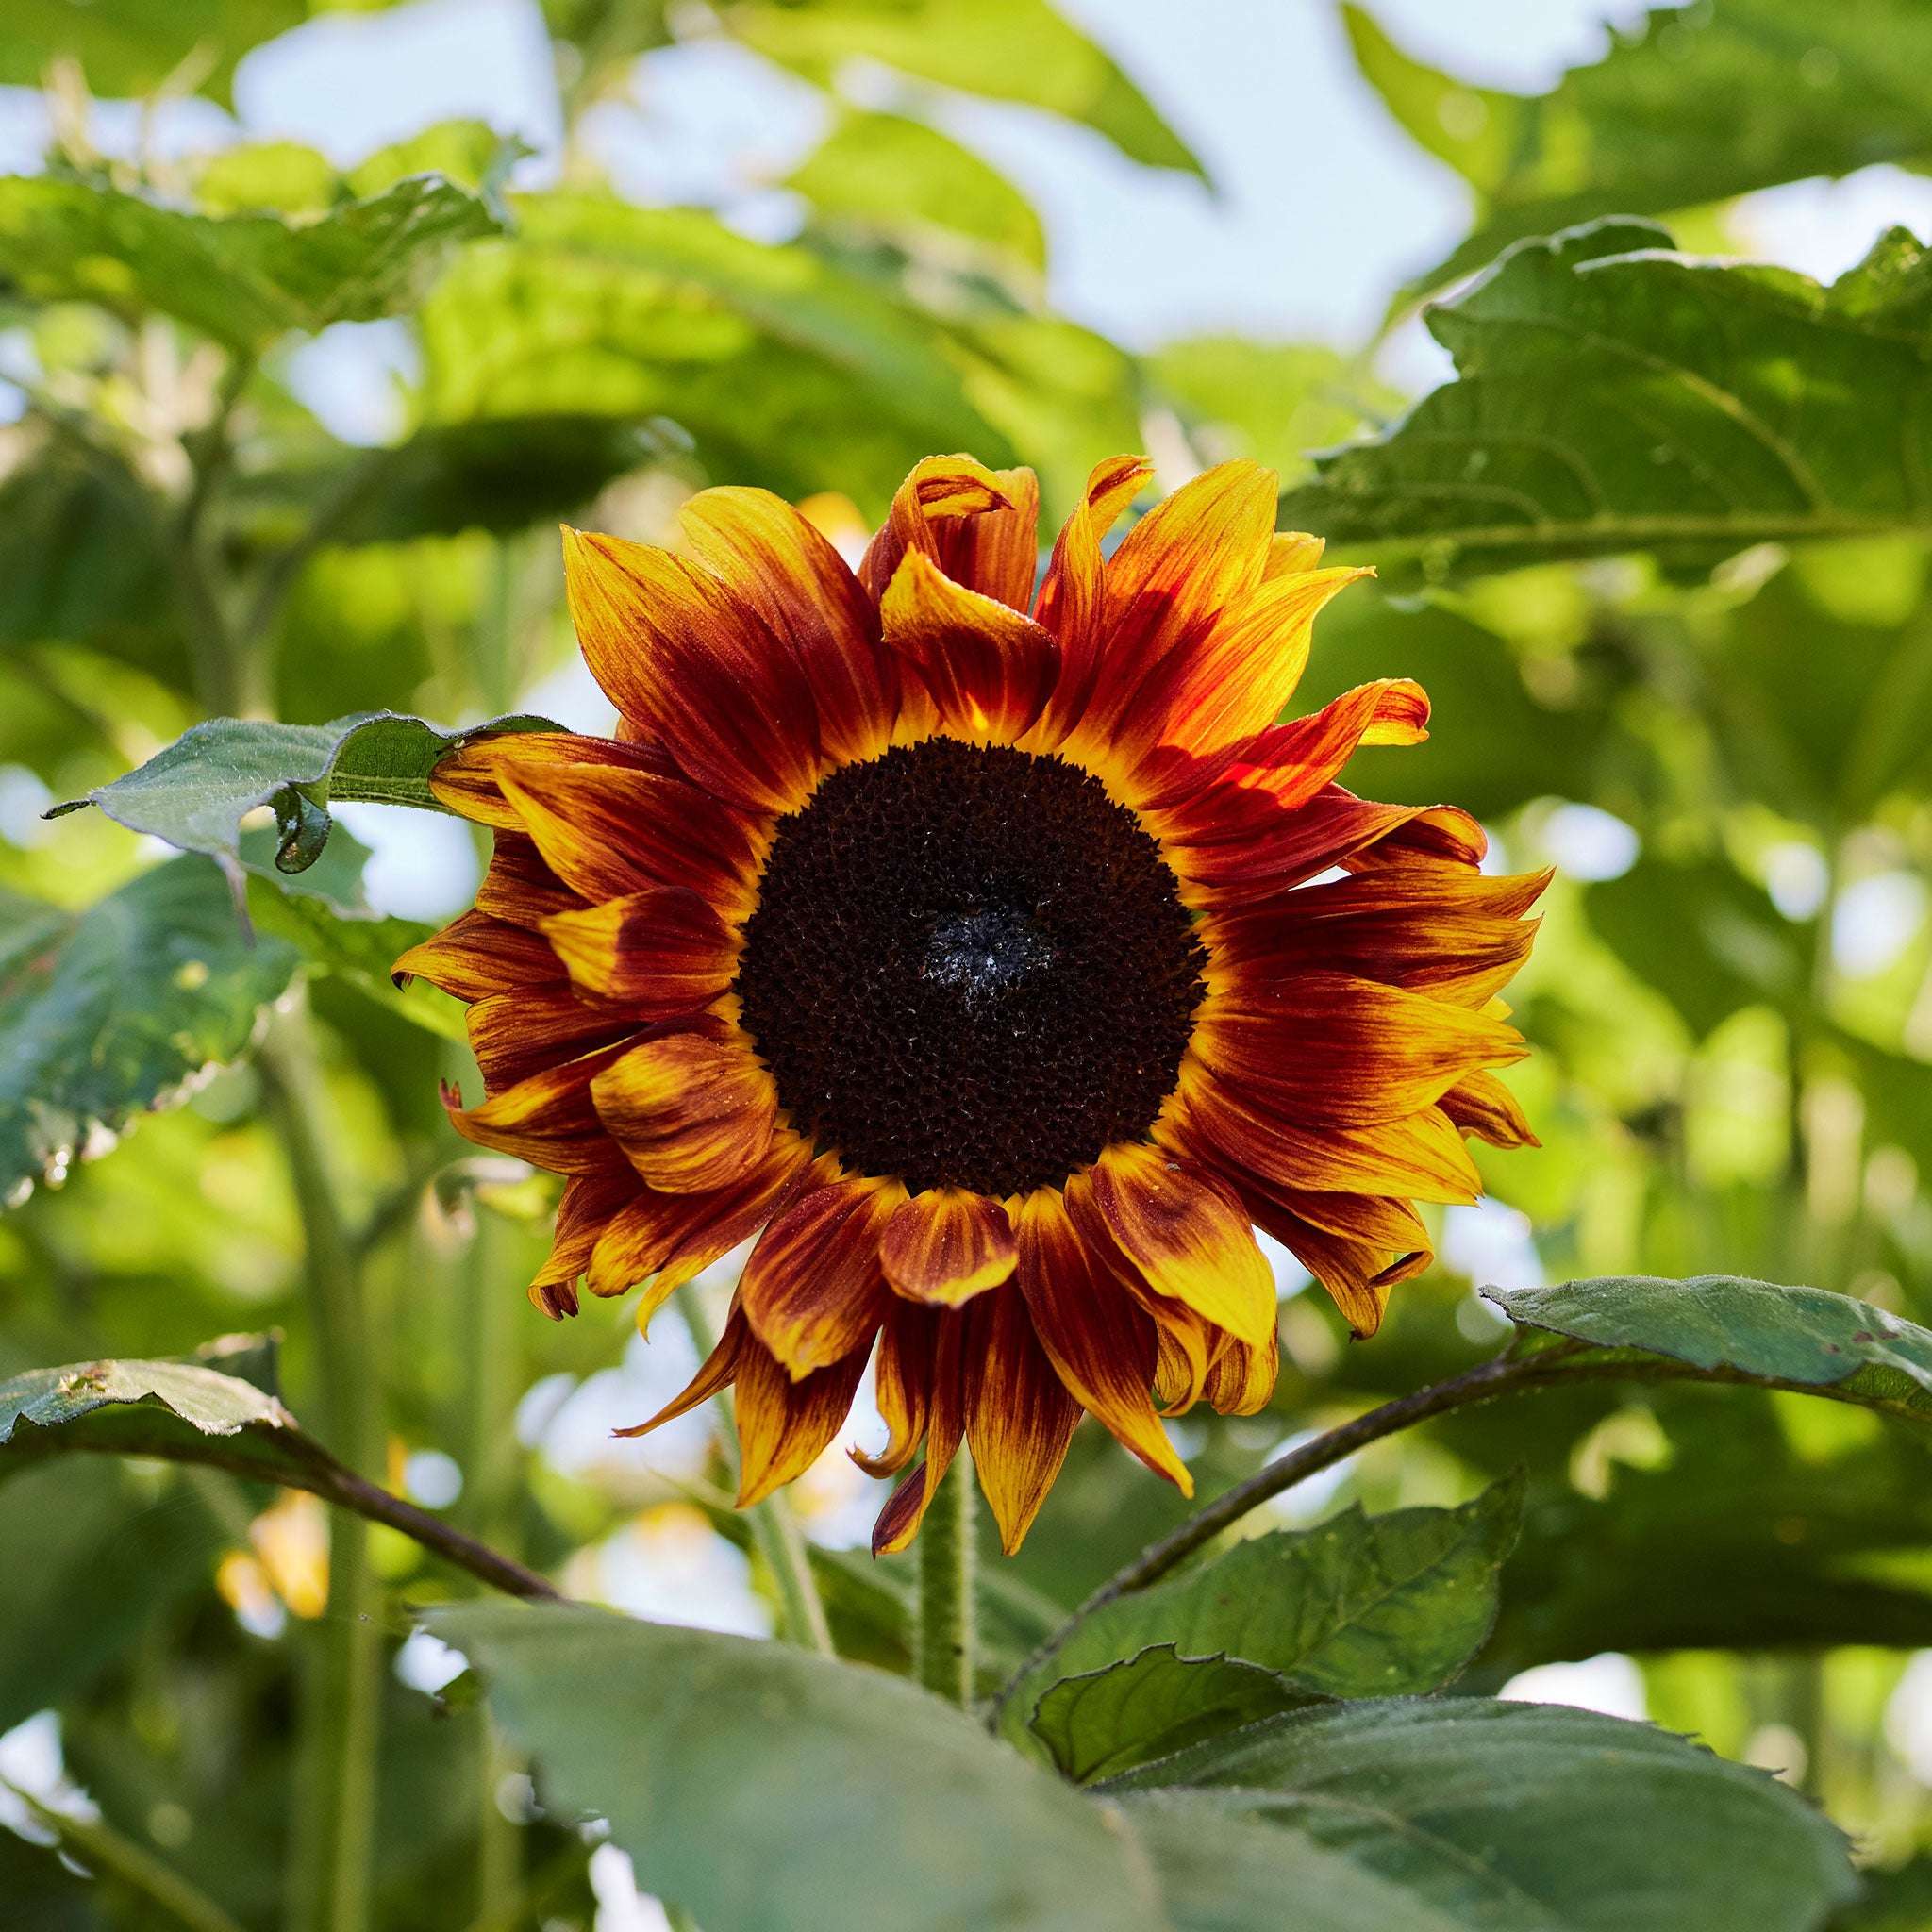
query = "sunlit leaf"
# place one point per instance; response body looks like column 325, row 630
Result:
column 1458, row 1814
column 106, row 1013
column 847, row 1798
column 1612, row 395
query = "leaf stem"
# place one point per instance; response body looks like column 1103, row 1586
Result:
column 96, row 1843
column 774, row 1527
column 943, row 1647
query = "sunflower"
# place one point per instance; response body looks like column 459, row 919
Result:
column 998, row 960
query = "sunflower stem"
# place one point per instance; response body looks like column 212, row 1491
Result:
column 341, row 1685
column 943, row 1645
column 774, row 1527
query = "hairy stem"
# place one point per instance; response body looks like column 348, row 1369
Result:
column 97, row 1845
column 341, row 1685
column 775, row 1528
column 942, row 1653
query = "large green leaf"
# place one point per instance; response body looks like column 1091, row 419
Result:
column 1357, row 1606
column 111, row 1011
column 244, row 279
column 1461, row 1813
column 770, row 1791
column 132, row 46
column 1802, row 1337
column 195, row 793
column 1694, row 105
column 1613, row 396
column 786, row 371
column 1012, row 50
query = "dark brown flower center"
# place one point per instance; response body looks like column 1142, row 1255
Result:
column 969, row 966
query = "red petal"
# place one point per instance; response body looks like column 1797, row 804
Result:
column 1019, row 1416
column 812, row 1290
column 659, row 951
column 692, row 1114
column 947, row 1246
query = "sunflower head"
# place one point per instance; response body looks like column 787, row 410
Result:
column 996, row 957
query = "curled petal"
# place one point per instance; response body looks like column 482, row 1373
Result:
column 1332, row 1049
column 1073, row 596
column 1019, row 1416
column 517, row 1034
column 731, row 1216
column 476, row 955
column 1290, row 553
column 607, row 832
column 690, row 664
column 790, row 574
column 784, row 1425
column 997, row 552
column 902, row 1383
column 1442, row 837
column 547, row 1119
column 590, row 1202
column 947, row 1246
column 470, row 779
column 692, row 1114
column 813, row 1291
column 904, row 1510
column 716, row 1373
column 1292, row 762
column 1479, row 1104
column 1357, row 1273
column 936, row 491
column 1101, row 1343
column 1243, row 1376
column 1189, row 1239
column 659, row 952
column 987, row 669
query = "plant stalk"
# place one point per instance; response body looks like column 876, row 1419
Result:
column 774, row 1527
column 341, row 1686
column 943, row 1651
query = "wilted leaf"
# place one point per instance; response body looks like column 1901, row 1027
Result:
column 244, row 279
column 1150, row 1705
column 846, row 1797
column 1458, row 1814
column 109, row 1011
column 195, row 793
column 1612, row 395
column 1357, row 1606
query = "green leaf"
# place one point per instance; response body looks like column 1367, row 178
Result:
column 785, row 371
column 214, row 1404
column 767, row 1790
column 132, row 46
column 244, row 279
column 1804, row 1337
column 195, row 793
column 1691, row 107
column 1150, row 1705
column 1612, row 395
column 1456, row 1814
column 905, row 180
column 1357, row 1606
column 1009, row 50
column 111, row 1011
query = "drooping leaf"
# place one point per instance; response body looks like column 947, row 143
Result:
column 195, row 793
column 130, row 47
column 1612, row 395
column 1150, row 1705
column 1357, row 1606
column 244, row 279
column 1802, row 1337
column 1011, row 50
column 905, row 180
column 847, row 1798
column 1455, row 1814
column 1690, row 105
column 111, row 1011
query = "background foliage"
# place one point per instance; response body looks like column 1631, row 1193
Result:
column 1659, row 550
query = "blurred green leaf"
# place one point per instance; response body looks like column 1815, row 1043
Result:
column 907, row 180
column 1805, row 1337
column 1463, row 1813
column 1357, row 1606
column 1692, row 104
column 243, row 279
column 1614, row 396
column 195, row 793
column 132, row 46
column 1150, row 1705
column 111, row 1011
column 786, row 371
column 1009, row 50
column 846, row 1797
